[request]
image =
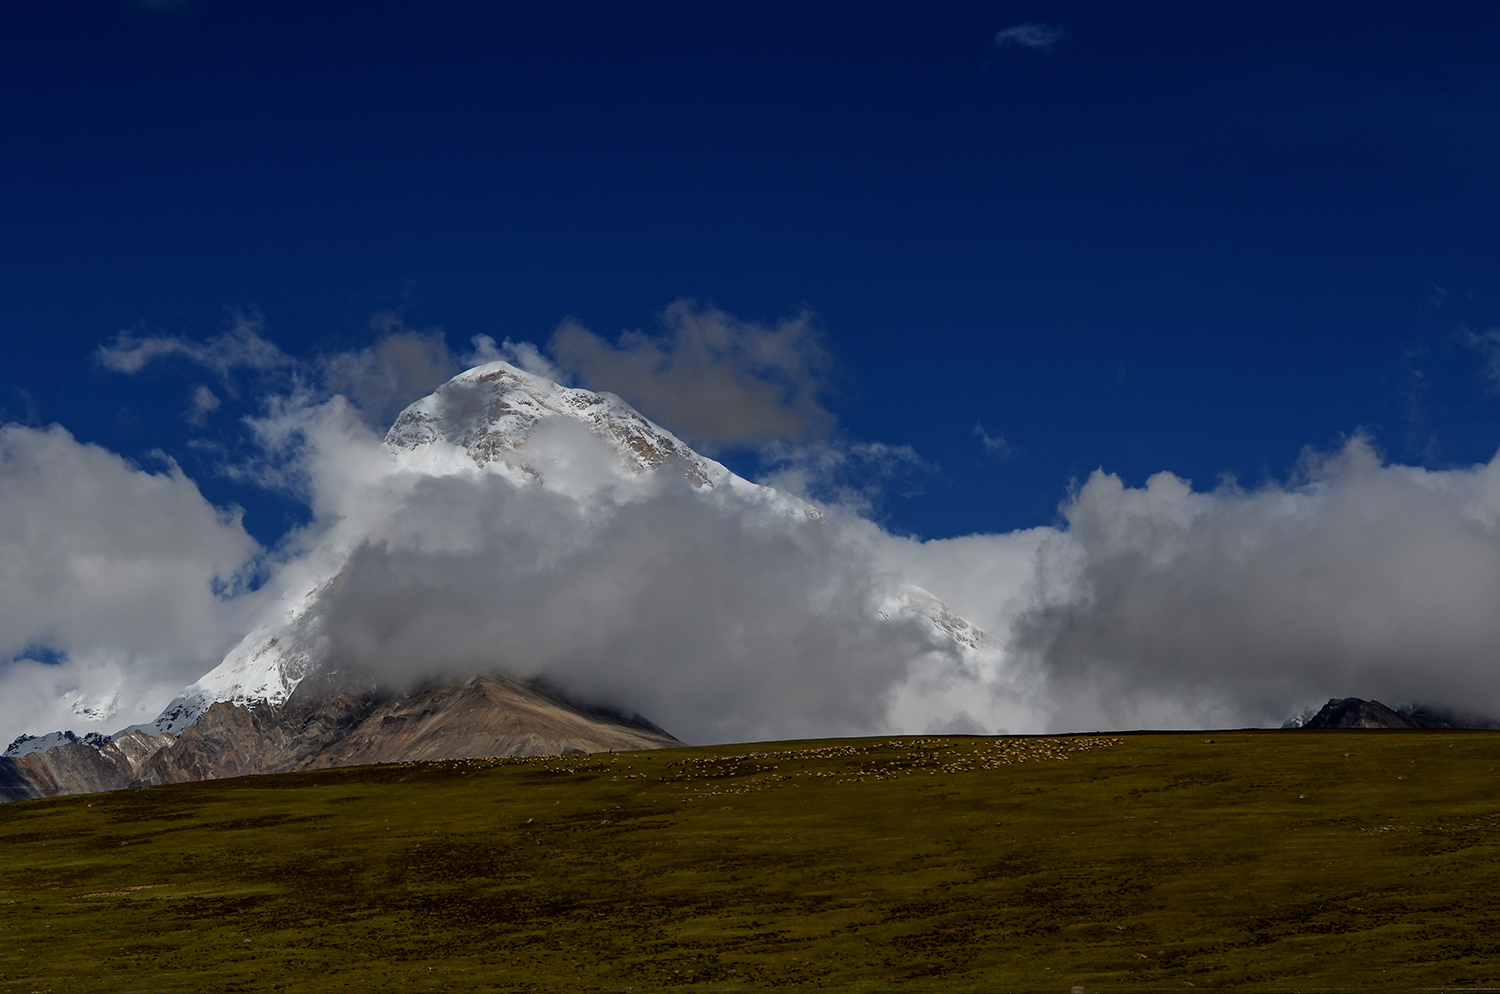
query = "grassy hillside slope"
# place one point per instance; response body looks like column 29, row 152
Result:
column 1258, row 859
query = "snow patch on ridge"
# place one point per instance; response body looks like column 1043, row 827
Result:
column 25, row 745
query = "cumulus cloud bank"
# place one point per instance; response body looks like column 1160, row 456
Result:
column 116, row 584
column 1156, row 606
column 719, row 624
column 1160, row 605
column 723, row 615
column 720, row 615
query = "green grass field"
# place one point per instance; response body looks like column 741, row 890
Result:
column 1262, row 860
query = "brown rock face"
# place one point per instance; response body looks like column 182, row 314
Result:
column 323, row 725
column 78, row 768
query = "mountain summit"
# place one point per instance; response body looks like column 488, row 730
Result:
column 499, row 420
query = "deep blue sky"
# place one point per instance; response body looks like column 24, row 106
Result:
column 1189, row 237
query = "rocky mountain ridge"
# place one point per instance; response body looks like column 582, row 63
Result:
column 329, row 723
column 1354, row 712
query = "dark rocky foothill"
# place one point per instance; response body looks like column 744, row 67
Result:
column 1352, row 712
column 327, row 723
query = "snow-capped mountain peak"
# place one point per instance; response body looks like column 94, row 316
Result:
column 498, row 419
column 490, row 412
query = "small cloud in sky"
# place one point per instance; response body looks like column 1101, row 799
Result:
column 852, row 476
column 1038, row 37
column 522, row 355
column 403, row 365
column 31, row 413
column 203, row 403
column 711, row 377
column 718, row 381
column 995, row 445
column 1487, row 344
column 240, row 347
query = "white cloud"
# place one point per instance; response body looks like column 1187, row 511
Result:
column 994, row 444
column 852, row 476
column 115, row 570
column 1155, row 605
column 522, row 355
column 720, row 619
column 240, row 347
column 1487, row 344
column 718, row 616
column 402, row 365
column 203, row 403
column 1164, row 605
column 1039, row 37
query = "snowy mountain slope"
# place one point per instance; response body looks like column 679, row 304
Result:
column 492, row 418
column 498, row 419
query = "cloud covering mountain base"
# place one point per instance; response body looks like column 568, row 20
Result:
column 721, row 616
column 1162, row 605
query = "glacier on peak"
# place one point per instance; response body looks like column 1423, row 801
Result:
column 501, row 420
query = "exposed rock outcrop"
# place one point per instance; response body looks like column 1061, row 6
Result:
column 78, row 766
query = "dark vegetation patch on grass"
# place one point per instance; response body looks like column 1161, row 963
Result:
column 1271, row 860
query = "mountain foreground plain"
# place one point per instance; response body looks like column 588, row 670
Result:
column 1273, row 860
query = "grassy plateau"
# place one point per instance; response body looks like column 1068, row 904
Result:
column 1336, row 860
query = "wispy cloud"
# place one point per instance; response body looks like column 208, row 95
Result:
column 1032, row 35
column 522, row 355
column 709, row 376
column 995, row 445
column 1487, row 344
column 242, row 346
column 202, row 403
column 852, row 476
column 403, row 365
